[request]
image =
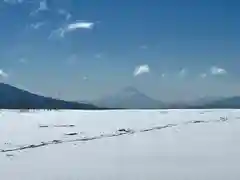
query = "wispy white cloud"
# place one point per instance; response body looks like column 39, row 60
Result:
column 37, row 25
column 80, row 25
column 182, row 72
column 3, row 74
column 72, row 59
column 203, row 75
column 213, row 71
column 65, row 13
column 98, row 56
column 143, row 47
column 72, row 27
column 58, row 33
column 85, row 78
column 43, row 6
column 163, row 75
column 217, row 71
column 142, row 69
column 23, row 60
column 13, row 1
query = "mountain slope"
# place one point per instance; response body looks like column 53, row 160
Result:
column 231, row 102
column 204, row 100
column 14, row 98
column 129, row 98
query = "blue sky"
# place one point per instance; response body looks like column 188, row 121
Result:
column 84, row 49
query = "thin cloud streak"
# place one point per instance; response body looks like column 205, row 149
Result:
column 142, row 69
column 217, row 71
column 43, row 6
column 65, row 13
column 23, row 60
column 80, row 25
column 71, row 27
column 58, row 33
column 203, row 75
column 182, row 72
column 99, row 56
column 143, row 47
column 13, row 2
column 3, row 74
column 72, row 59
column 37, row 25
column 85, row 78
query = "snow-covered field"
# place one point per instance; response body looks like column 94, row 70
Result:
column 120, row 145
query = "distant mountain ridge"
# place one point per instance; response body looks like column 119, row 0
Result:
column 129, row 98
column 224, row 103
column 15, row 98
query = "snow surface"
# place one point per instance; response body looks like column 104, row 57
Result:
column 121, row 145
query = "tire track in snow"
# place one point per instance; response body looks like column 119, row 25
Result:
column 120, row 132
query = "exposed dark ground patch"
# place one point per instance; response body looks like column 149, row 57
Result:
column 57, row 126
column 71, row 134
